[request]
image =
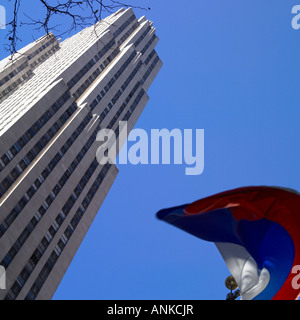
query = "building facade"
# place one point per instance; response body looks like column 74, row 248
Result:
column 54, row 98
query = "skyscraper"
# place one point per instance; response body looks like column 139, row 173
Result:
column 54, row 98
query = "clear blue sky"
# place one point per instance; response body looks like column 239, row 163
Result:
column 231, row 68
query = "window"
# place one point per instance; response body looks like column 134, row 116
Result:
column 38, row 216
column 59, row 219
column 5, row 159
column 34, row 259
column 23, row 237
column 30, row 192
column 52, row 231
column 48, row 236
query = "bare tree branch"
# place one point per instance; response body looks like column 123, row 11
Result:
column 13, row 25
column 78, row 13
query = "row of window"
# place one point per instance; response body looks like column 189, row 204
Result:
column 134, row 105
column 44, row 207
column 41, row 248
column 42, row 177
column 10, row 88
column 141, row 93
column 110, row 58
column 152, row 66
column 13, row 73
column 140, row 39
column 90, row 64
column 43, row 275
column 148, row 44
column 151, row 55
column 100, row 54
column 44, row 56
column 124, row 26
column 35, row 150
column 123, row 106
column 40, row 49
column 26, row 75
column 128, row 33
column 33, row 130
column 119, row 92
column 95, row 74
column 112, row 81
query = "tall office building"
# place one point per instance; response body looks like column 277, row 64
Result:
column 54, row 98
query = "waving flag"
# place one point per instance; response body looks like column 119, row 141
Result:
column 256, row 230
